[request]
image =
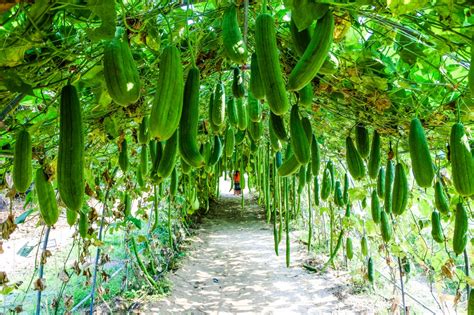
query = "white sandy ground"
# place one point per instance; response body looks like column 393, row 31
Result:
column 232, row 268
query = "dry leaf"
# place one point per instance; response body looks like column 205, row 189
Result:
column 63, row 276
column 457, row 298
column 448, row 270
column 3, row 277
column 39, row 285
column 68, row 301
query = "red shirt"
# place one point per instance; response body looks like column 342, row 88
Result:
column 237, row 177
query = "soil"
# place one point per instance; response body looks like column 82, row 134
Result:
column 231, row 267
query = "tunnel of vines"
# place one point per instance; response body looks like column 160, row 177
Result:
column 349, row 121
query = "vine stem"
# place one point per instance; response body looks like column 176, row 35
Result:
column 170, row 235
column 11, row 106
column 402, row 287
column 155, row 209
column 41, row 268
column 466, row 266
column 97, row 255
column 310, row 218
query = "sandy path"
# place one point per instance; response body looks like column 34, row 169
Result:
column 232, row 268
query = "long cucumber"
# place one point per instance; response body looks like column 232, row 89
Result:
column 314, row 55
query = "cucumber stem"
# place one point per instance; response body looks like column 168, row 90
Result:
column 41, row 268
column 141, row 265
column 402, row 287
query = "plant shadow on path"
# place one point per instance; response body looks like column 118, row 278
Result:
column 232, row 268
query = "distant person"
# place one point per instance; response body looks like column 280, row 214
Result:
column 237, row 190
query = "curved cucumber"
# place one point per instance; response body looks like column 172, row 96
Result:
column 168, row 160
column 355, row 164
column 289, row 167
column 120, row 72
column 299, row 139
column 278, row 125
column 234, row 45
column 314, row 55
column 269, row 64
column 188, row 126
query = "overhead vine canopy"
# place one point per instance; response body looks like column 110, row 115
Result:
column 259, row 86
column 394, row 60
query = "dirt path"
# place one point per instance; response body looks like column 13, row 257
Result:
column 232, row 268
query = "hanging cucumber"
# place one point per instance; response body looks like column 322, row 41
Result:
column 48, row 206
column 338, row 198
column 355, row 164
column 277, row 124
column 22, row 164
column 254, row 108
column 218, row 107
column 421, row 163
column 314, row 55
column 188, row 126
column 370, row 270
column 83, row 224
column 70, row 166
column 315, row 156
column 460, row 229
column 120, row 72
column 374, row 157
column 234, row 45
column 389, row 175
column 168, row 101
column 345, row 193
column 441, row 200
column 362, row 140
column 289, row 167
column 349, row 249
column 326, row 185
column 256, row 83
column 269, row 64
column 364, row 246
column 400, row 190
column 375, row 207
column 299, row 139
column 436, row 229
column 143, row 136
column 385, row 227
column 168, row 160
column 238, row 89
column 241, row 114
column 462, row 161
column 381, row 183
column 123, row 156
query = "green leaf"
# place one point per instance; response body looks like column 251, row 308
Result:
column 105, row 10
column 22, row 217
column 12, row 81
column 135, row 221
column 399, row 7
column 304, row 12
